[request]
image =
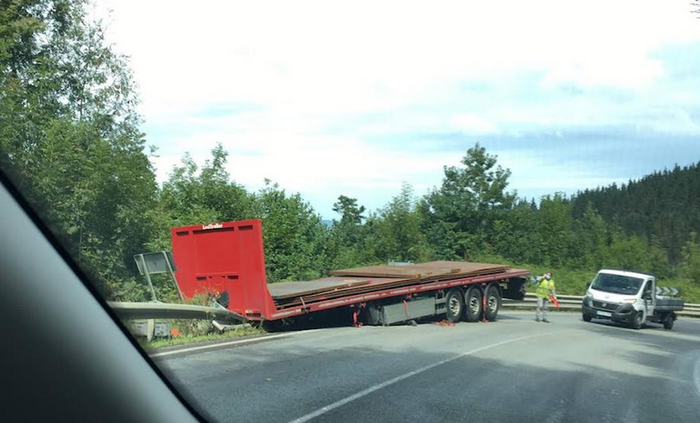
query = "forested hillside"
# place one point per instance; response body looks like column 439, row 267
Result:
column 70, row 139
column 664, row 206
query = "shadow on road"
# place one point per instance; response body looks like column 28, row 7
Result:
column 343, row 317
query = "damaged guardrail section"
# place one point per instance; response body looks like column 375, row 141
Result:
column 156, row 310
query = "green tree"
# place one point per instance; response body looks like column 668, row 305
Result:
column 515, row 235
column 588, row 240
column 346, row 239
column 295, row 238
column 194, row 196
column 349, row 211
column 460, row 213
column 348, row 231
column 396, row 230
column 690, row 267
column 635, row 253
column 69, row 136
column 554, row 228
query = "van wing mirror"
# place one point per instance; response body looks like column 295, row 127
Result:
column 588, row 284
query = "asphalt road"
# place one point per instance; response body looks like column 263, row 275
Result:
column 513, row 370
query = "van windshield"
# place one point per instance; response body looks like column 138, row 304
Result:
column 617, row 284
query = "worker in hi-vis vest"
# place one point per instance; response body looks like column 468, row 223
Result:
column 545, row 290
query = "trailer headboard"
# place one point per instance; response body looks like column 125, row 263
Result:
column 224, row 259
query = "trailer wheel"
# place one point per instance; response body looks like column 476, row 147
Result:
column 272, row 325
column 668, row 321
column 493, row 302
column 473, row 303
column 454, row 305
column 373, row 314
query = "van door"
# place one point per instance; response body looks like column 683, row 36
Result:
column 649, row 296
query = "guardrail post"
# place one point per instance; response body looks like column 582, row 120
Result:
column 150, row 329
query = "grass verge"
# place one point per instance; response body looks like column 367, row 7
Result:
column 197, row 338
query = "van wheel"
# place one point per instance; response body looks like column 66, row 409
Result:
column 587, row 318
column 493, row 302
column 637, row 320
column 454, row 305
column 474, row 304
column 668, row 321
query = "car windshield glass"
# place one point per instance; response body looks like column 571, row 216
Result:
column 228, row 169
column 617, row 284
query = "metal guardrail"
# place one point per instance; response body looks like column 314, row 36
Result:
column 573, row 302
column 156, row 310
column 130, row 311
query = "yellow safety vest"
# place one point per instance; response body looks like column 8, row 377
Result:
column 546, row 288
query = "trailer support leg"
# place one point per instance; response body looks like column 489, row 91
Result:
column 405, row 310
column 356, row 314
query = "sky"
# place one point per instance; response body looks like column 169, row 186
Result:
column 357, row 98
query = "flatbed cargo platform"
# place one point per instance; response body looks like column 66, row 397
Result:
column 376, row 278
column 227, row 260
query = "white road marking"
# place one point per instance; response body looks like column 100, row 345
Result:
column 226, row 344
column 379, row 386
column 696, row 376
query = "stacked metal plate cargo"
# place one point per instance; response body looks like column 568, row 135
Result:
column 361, row 280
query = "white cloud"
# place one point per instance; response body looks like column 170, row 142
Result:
column 310, row 66
column 471, row 124
column 633, row 72
column 317, row 57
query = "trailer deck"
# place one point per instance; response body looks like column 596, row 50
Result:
column 361, row 280
column 227, row 260
column 403, row 291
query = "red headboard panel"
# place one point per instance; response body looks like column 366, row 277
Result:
column 224, row 257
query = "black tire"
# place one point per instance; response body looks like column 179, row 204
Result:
column 272, row 325
column 473, row 304
column 493, row 302
column 668, row 321
column 637, row 320
column 454, row 305
column 372, row 314
column 587, row 318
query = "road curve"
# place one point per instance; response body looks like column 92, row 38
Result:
column 513, row 370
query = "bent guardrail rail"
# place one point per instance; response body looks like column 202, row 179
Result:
column 154, row 310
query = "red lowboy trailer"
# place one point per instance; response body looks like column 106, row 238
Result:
column 227, row 260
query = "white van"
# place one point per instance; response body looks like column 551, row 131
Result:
column 630, row 298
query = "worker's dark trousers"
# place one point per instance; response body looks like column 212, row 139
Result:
column 541, row 309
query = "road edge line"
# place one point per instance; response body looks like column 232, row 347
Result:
column 367, row 391
column 227, row 344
